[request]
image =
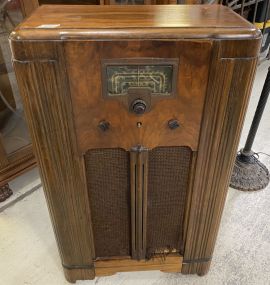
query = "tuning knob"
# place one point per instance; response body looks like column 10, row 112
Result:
column 138, row 107
column 173, row 124
column 104, row 125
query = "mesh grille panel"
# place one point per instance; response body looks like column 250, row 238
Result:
column 167, row 188
column 107, row 172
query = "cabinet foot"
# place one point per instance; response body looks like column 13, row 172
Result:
column 199, row 268
column 72, row 275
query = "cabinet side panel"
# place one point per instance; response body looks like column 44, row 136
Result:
column 48, row 110
column 228, row 93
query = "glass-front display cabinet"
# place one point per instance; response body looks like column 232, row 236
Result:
column 16, row 155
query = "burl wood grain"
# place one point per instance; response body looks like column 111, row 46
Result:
column 90, row 107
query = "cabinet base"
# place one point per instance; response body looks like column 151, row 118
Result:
column 170, row 263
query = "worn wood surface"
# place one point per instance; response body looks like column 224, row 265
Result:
column 139, row 21
column 60, row 84
column 170, row 263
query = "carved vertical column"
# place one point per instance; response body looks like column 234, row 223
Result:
column 45, row 92
column 138, row 178
column 227, row 97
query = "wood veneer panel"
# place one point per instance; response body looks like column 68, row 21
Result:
column 90, row 107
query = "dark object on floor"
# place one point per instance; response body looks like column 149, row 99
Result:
column 5, row 192
column 249, row 174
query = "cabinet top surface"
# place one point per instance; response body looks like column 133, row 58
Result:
column 131, row 21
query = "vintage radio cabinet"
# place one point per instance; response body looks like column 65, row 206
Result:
column 135, row 115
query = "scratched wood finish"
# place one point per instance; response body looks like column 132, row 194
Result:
column 131, row 16
column 139, row 21
column 53, row 80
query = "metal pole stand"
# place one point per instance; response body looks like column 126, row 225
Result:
column 249, row 174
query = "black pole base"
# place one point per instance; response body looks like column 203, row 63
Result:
column 249, row 174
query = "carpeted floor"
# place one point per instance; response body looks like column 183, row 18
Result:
column 28, row 253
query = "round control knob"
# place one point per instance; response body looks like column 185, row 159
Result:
column 173, row 124
column 104, row 125
column 139, row 107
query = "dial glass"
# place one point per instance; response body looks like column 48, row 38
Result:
column 158, row 78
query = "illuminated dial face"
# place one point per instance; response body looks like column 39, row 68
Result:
column 158, row 78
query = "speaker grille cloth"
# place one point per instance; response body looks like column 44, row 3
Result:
column 168, row 182
column 107, row 172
